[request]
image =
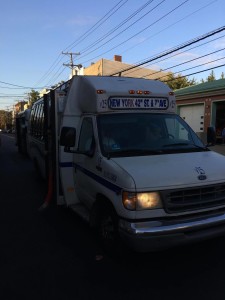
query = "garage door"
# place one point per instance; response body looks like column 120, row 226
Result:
column 194, row 116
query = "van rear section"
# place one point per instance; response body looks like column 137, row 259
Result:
column 130, row 166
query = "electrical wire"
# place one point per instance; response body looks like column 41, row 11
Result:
column 20, row 86
column 10, row 96
column 60, row 69
column 106, row 35
column 10, row 88
column 194, row 67
column 51, row 69
column 147, row 3
column 195, row 40
column 188, row 61
column 97, row 25
column 172, row 50
column 169, row 26
column 81, row 38
column 131, row 37
column 179, row 53
column 187, row 75
column 56, row 76
column 119, row 26
column 110, row 32
column 166, row 53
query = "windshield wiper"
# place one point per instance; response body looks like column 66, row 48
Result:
column 200, row 147
column 186, row 144
column 175, row 144
column 137, row 152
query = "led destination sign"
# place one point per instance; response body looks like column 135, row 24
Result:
column 138, row 103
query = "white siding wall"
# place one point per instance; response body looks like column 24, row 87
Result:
column 194, row 116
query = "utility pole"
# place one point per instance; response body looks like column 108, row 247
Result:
column 71, row 64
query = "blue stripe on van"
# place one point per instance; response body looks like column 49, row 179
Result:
column 97, row 178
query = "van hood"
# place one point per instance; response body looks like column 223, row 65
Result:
column 174, row 170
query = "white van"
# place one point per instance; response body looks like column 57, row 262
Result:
column 131, row 167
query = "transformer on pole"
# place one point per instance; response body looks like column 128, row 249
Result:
column 71, row 64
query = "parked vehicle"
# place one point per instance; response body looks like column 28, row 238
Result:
column 22, row 119
column 121, row 158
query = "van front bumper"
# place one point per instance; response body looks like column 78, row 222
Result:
column 161, row 234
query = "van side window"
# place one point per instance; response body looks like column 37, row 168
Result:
column 177, row 129
column 86, row 135
column 37, row 121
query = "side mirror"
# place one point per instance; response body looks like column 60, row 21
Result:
column 68, row 137
column 211, row 136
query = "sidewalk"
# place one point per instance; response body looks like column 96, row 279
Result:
column 220, row 148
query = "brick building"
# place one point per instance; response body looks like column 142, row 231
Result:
column 20, row 106
column 105, row 67
column 203, row 105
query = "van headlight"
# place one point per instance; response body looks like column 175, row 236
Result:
column 141, row 201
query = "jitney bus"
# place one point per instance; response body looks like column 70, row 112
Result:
column 22, row 119
column 119, row 156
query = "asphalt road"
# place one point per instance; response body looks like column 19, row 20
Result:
column 53, row 254
column 220, row 148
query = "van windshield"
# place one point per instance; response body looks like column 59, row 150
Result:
column 133, row 134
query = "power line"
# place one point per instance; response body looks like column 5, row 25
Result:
column 82, row 37
column 10, row 88
column 119, row 26
column 155, row 58
column 140, row 18
column 184, row 45
column 139, row 31
column 197, row 72
column 10, row 96
column 20, row 86
column 52, row 67
column 59, row 71
column 188, row 61
column 113, row 30
column 167, row 27
column 147, row 3
column 71, row 64
column 209, row 62
column 181, row 52
column 98, row 24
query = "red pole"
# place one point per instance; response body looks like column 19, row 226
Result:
column 48, row 197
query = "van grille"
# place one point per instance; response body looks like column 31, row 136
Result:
column 194, row 198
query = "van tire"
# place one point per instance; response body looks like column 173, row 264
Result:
column 37, row 169
column 107, row 228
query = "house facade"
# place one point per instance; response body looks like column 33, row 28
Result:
column 105, row 67
column 203, row 105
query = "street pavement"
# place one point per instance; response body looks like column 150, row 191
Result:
column 219, row 148
column 54, row 255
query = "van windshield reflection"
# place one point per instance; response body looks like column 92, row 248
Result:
column 138, row 134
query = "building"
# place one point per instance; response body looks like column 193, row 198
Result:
column 20, row 106
column 203, row 105
column 105, row 67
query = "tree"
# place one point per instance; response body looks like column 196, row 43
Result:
column 57, row 84
column 5, row 119
column 211, row 76
column 2, row 119
column 179, row 81
column 33, row 96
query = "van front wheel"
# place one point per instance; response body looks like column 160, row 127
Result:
column 108, row 228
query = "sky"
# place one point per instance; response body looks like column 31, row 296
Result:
column 34, row 33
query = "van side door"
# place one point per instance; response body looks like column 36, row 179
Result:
column 85, row 162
